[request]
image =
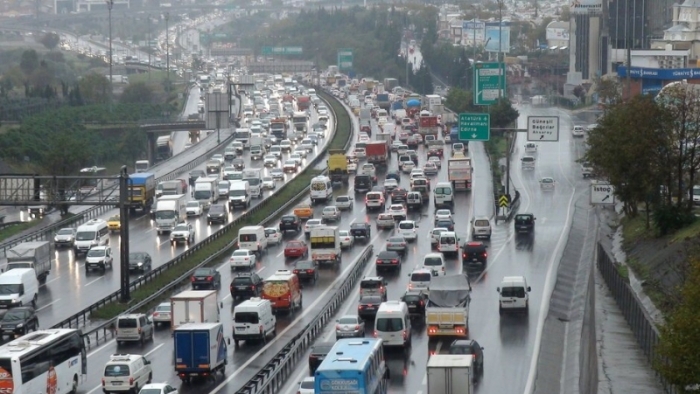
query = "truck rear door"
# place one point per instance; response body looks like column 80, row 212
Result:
column 184, row 348
column 200, row 342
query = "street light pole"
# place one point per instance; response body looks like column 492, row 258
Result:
column 148, row 45
column 167, row 54
column 110, row 4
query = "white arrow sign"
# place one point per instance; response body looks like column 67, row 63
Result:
column 602, row 194
column 543, row 128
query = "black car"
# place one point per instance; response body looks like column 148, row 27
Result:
column 363, row 183
column 196, row 174
column 290, row 223
column 362, row 229
column 470, row 347
column 524, row 223
column 246, row 284
column 318, row 354
column 19, row 321
column 368, row 307
column 217, row 214
column 398, row 195
column 474, row 252
column 306, row 270
column 445, row 223
column 206, row 278
column 416, row 300
column 388, row 260
column 140, row 261
column 394, row 175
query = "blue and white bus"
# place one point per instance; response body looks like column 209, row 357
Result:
column 353, row 366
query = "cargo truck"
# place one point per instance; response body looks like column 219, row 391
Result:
column 164, row 147
column 213, row 166
column 383, row 101
column 459, row 173
column 35, row 255
column 303, row 103
column 300, row 121
column 377, row 152
column 428, row 125
column 206, row 191
column 141, row 166
column 170, row 210
column 325, row 245
column 142, row 191
column 172, row 188
column 431, row 101
column 447, row 312
column 194, row 306
column 338, row 166
column 450, row 374
column 278, row 128
column 200, row 350
column 390, row 83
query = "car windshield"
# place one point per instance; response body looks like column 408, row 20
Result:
column 114, row 370
column 344, row 233
column 329, row 209
column 444, row 223
column 342, row 199
column 391, row 324
column 432, row 261
column 163, row 308
column 313, row 222
column 203, row 272
column 348, row 320
column 523, row 219
column 137, row 256
column 96, row 253
column 395, row 240
column 181, row 227
column 374, row 196
column 421, row 277
column 371, row 300
column 85, row 236
column 193, row 204
column 14, row 315
column 241, row 252
column 411, row 298
column 481, row 223
column 69, row 231
column 10, row 288
column 516, row 292
column 246, row 317
column 406, row 226
column 307, row 384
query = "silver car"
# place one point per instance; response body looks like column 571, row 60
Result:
column 162, row 313
column 349, row 326
column 65, row 237
column 481, row 227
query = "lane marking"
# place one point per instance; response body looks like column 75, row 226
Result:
column 260, row 270
column 91, row 282
column 145, row 355
column 48, row 305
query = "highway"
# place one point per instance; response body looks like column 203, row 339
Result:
column 69, row 289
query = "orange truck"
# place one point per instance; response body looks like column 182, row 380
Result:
column 283, row 291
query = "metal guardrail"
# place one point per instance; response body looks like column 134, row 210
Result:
column 273, row 376
column 93, row 212
column 104, row 331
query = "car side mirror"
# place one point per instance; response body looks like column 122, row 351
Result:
column 228, row 341
column 528, row 289
column 486, row 246
column 147, row 362
column 498, row 289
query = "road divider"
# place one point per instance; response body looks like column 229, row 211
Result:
column 161, row 282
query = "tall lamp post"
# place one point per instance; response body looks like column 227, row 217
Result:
column 110, row 5
column 167, row 54
column 148, row 45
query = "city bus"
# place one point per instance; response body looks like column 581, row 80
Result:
column 353, row 366
column 89, row 186
column 44, row 361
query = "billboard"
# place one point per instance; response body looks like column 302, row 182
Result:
column 557, row 33
column 495, row 34
column 473, row 32
column 586, row 6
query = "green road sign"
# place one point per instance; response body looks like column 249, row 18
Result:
column 345, row 58
column 503, row 201
column 474, row 127
column 272, row 51
column 490, row 82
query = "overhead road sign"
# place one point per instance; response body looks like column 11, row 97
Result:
column 543, row 128
column 503, row 201
column 490, row 82
column 345, row 59
column 602, row 194
column 474, row 127
column 272, row 51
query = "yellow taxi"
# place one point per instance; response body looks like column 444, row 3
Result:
column 304, row 211
column 114, row 223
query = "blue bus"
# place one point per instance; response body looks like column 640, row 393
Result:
column 353, row 366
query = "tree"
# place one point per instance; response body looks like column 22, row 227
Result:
column 609, row 90
column 137, row 93
column 94, row 88
column 678, row 355
column 50, row 40
column 29, row 61
column 460, row 100
column 503, row 114
column 67, row 151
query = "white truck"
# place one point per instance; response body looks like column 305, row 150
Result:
column 459, row 173
column 206, row 191
column 170, row 210
column 171, row 188
column 325, row 245
column 450, row 374
column 447, row 312
column 432, row 101
column 35, row 255
column 194, row 306
column 142, row 166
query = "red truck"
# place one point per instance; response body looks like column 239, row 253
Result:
column 303, row 103
column 377, row 152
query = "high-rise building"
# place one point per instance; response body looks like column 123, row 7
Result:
column 585, row 54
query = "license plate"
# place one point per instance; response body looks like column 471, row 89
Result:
column 445, row 326
column 194, row 374
column 411, row 307
column 241, row 288
column 240, row 328
column 475, row 259
column 116, row 383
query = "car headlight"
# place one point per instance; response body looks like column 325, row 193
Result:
column 140, row 264
column 55, row 239
column 20, row 325
column 93, row 243
column 14, row 300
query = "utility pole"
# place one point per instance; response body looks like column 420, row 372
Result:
column 148, row 45
column 110, row 5
column 167, row 54
column 124, row 192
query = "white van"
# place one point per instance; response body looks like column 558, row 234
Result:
column 18, row 287
column 393, row 324
column 253, row 319
column 92, row 233
column 252, row 238
column 448, row 243
column 513, row 294
column 420, row 279
column 254, row 179
column 443, row 195
column 321, row 189
column 239, row 195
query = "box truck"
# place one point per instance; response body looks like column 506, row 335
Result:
column 194, row 306
column 170, row 210
column 36, row 255
column 450, row 374
column 200, row 350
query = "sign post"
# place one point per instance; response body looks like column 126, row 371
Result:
column 489, row 83
column 345, row 58
column 543, row 128
column 284, row 51
column 602, row 194
column 474, row 127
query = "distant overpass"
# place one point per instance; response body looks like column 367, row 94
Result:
column 140, row 67
column 280, row 67
column 155, row 130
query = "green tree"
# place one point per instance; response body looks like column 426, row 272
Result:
column 50, row 40
column 137, row 93
column 94, row 88
column 67, row 151
column 460, row 100
column 29, row 61
column 503, row 114
column 678, row 358
column 609, row 90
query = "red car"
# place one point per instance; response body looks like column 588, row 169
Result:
column 296, row 249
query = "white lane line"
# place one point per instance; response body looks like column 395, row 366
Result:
column 100, row 348
column 279, row 336
column 48, row 305
column 145, row 355
column 91, row 282
column 260, row 270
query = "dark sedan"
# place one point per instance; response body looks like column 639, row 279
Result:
column 19, row 321
column 445, row 223
column 398, row 195
column 368, row 307
column 206, row 278
column 306, row 270
column 140, row 261
column 387, row 260
column 416, row 300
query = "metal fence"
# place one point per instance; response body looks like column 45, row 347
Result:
column 638, row 319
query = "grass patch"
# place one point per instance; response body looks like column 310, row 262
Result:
column 634, row 229
column 623, row 270
column 687, row 233
column 300, row 183
column 497, row 147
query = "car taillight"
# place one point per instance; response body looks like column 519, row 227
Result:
column 376, row 334
column 131, row 381
column 421, row 303
column 139, row 330
column 309, row 271
column 443, row 268
column 410, row 286
column 473, row 357
column 395, row 261
column 486, row 254
column 260, row 327
column 337, row 326
column 403, row 243
column 192, row 279
column 361, row 307
column 464, row 255
column 357, row 326
column 296, row 271
column 405, row 335
column 103, row 381
column 156, row 314
column 379, row 261
column 210, row 278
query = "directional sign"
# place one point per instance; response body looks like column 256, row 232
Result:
column 543, row 128
column 345, row 58
column 490, row 82
column 269, row 51
column 474, row 127
column 602, row 194
column 503, row 201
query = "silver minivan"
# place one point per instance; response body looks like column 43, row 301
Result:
column 528, row 162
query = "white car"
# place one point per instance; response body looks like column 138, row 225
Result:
column 276, row 150
column 407, row 229
column 286, row 145
column 530, row 147
column 430, row 168
column 443, row 214
column 344, row 202
column 578, row 131
column 193, row 208
column 308, row 144
column 296, row 157
column 242, row 258
column 273, row 235
column 311, row 223
column 368, row 169
column 360, row 152
column 547, row 183
column 435, row 262
column 402, row 149
column 435, row 235
column 268, row 183
column 183, row 233
column 218, row 157
column 158, row 388
column 481, row 227
column 346, row 240
column 330, row 213
column 291, row 166
column 277, row 174
column 417, row 173
column 397, row 211
column 301, row 151
column 407, row 166
column 162, row 314
column 270, row 160
column 390, row 184
column 436, row 161
column 306, row 386
column 385, row 221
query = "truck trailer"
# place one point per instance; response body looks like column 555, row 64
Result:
column 200, row 350
column 36, row 255
column 447, row 312
column 142, row 191
column 194, row 306
column 450, row 374
column 459, row 173
column 164, row 147
column 170, row 210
